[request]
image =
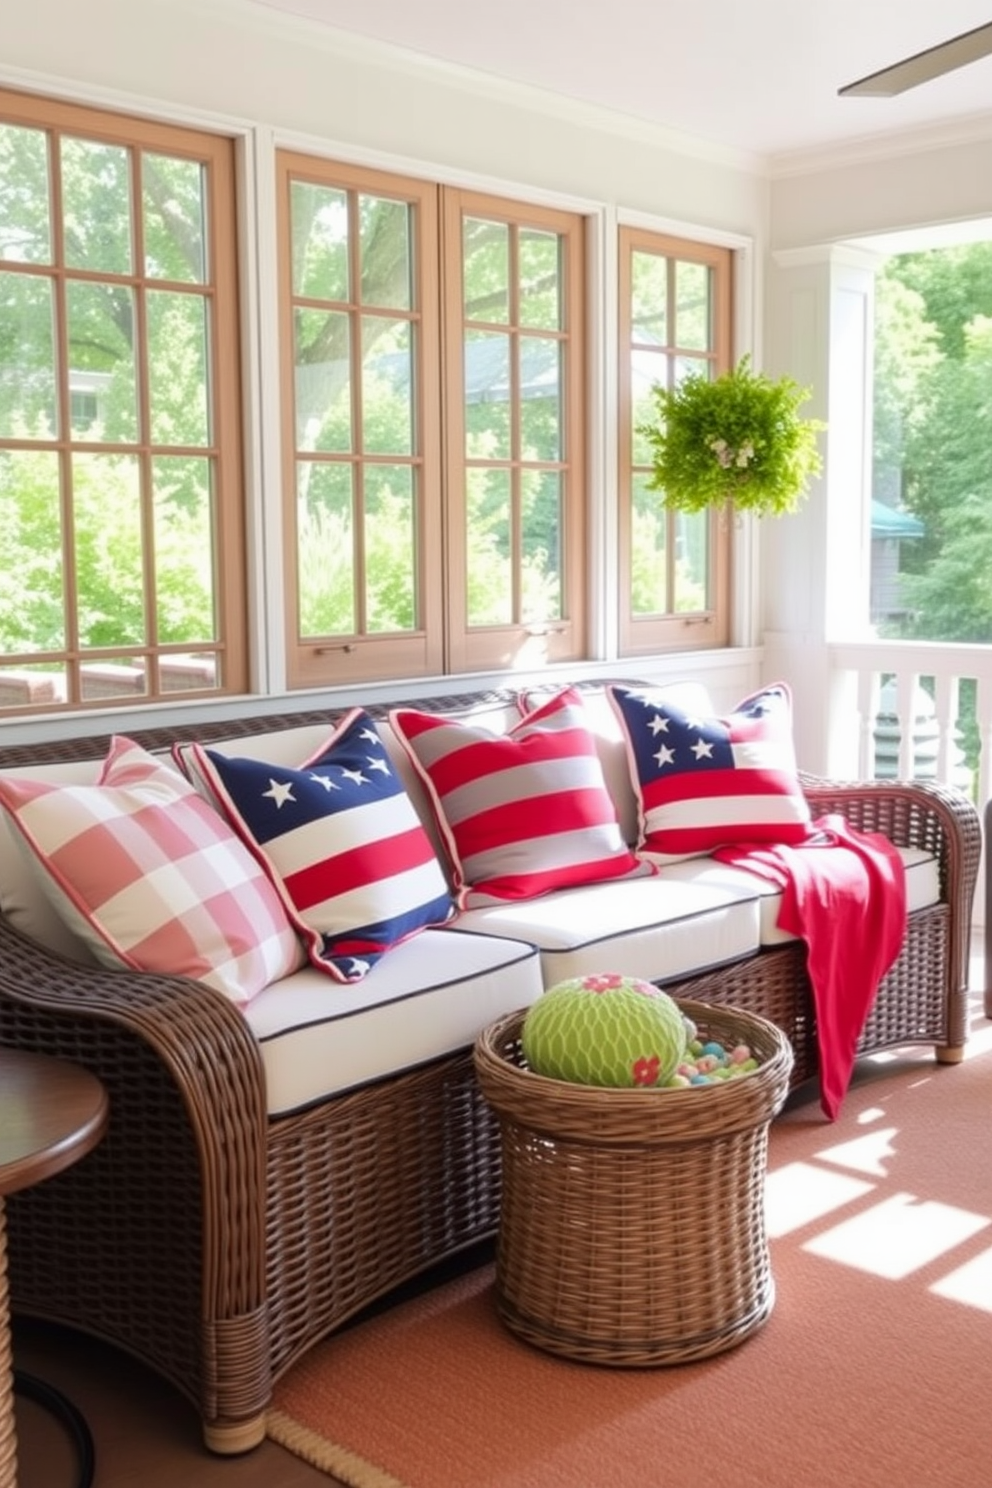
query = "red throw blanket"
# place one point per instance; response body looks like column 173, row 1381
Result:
column 844, row 893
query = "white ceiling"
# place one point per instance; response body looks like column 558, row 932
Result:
column 757, row 75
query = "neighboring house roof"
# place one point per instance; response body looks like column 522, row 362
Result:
column 886, row 521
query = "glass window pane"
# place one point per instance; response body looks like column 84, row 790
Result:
column 384, row 245
column 28, row 393
column 96, row 191
column 387, row 386
column 184, row 549
column 486, row 270
column 100, row 331
column 487, row 395
column 174, row 220
column 25, row 223
column 687, row 366
column 648, row 551
column 195, row 671
column 542, row 523
column 323, row 380
column 27, row 686
column 647, row 368
column 113, row 677
column 540, row 279
column 325, row 549
column 319, row 241
column 692, row 306
column 489, row 557
column 177, row 368
column 32, row 596
column 649, row 298
column 692, row 569
column 109, row 550
column 541, row 395
column 390, row 549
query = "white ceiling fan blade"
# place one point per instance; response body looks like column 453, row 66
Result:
column 923, row 66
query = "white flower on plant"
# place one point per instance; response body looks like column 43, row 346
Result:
column 727, row 456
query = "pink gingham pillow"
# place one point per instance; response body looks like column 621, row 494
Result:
column 151, row 877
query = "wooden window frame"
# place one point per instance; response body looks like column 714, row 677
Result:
column 228, row 648
column 678, row 630
column 443, row 641
column 476, row 648
column 366, row 657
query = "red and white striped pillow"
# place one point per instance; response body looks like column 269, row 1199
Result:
column 521, row 813
column 151, row 877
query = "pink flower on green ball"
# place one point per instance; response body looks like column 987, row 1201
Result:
column 645, row 1071
column 604, row 982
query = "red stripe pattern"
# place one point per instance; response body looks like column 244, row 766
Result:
column 521, row 813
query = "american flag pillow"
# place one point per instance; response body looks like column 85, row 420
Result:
column 150, row 877
column 342, row 843
column 705, row 782
column 521, row 813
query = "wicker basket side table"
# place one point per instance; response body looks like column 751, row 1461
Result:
column 632, row 1225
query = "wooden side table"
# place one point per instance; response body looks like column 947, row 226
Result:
column 51, row 1114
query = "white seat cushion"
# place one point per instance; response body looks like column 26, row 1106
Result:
column 657, row 928
column 430, row 996
column 922, row 885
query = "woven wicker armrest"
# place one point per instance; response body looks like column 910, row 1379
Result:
column 169, row 1212
column 940, row 819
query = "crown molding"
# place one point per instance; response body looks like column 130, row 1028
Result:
column 268, row 20
column 974, row 129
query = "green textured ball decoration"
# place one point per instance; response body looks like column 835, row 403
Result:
column 605, row 1030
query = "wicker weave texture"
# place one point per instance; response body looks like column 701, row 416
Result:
column 632, row 1229
column 8, row 1429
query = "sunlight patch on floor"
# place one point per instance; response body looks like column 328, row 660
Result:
column 798, row 1193
column 897, row 1236
column 864, row 1154
column 970, row 1283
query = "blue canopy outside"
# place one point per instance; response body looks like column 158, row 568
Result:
column 886, row 521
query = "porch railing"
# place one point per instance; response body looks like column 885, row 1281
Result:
column 949, row 738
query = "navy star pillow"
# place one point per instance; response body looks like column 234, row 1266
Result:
column 341, row 841
column 704, row 782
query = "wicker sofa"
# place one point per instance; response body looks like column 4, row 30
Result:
column 217, row 1240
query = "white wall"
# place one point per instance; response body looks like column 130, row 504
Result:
column 923, row 179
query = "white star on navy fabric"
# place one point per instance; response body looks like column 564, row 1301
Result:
column 658, row 725
column 280, row 791
column 355, row 776
column 664, row 755
column 378, row 764
column 702, row 750
column 324, row 780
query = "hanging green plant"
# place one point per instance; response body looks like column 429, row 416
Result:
column 738, row 438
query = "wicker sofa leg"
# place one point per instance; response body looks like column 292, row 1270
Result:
column 952, row 1054
column 230, row 1438
column 238, row 1387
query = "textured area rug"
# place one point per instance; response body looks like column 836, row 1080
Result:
column 874, row 1368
